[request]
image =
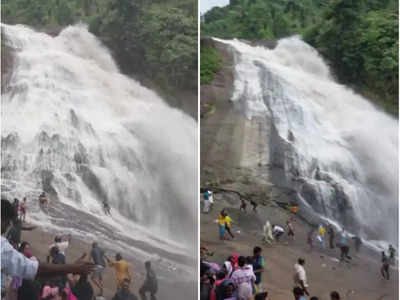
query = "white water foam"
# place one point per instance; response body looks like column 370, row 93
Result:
column 341, row 149
column 76, row 127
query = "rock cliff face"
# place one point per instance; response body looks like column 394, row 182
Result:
column 233, row 152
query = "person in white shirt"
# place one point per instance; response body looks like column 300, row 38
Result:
column 243, row 279
column 277, row 231
column 300, row 277
column 267, row 229
column 14, row 263
column 61, row 244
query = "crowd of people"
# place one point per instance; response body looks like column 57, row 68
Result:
column 239, row 276
column 25, row 277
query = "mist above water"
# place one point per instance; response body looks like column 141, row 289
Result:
column 337, row 150
column 75, row 127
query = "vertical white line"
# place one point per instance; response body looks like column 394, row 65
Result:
column 198, row 149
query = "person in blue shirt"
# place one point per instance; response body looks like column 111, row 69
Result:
column 258, row 266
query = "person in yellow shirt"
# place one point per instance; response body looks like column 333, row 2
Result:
column 221, row 224
column 321, row 235
column 228, row 221
column 121, row 269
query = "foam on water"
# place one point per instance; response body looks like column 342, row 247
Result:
column 338, row 151
column 74, row 126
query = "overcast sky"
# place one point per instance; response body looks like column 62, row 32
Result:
column 207, row 4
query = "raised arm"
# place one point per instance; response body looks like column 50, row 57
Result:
column 109, row 261
column 45, row 269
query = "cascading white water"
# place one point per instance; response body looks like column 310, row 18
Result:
column 338, row 151
column 72, row 125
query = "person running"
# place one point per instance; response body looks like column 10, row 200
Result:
column 321, row 235
column 298, row 293
column 62, row 243
column 243, row 205
column 228, row 222
column 290, row 229
column 300, row 277
column 335, row 295
column 22, row 210
column 221, row 224
column 97, row 255
column 150, row 284
column 331, row 235
column 14, row 263
column 392, row 253
column 385, row 266
column 277, row 231
column 124, row 293
column 254, row 205
column 121, row 269
column 258, row 267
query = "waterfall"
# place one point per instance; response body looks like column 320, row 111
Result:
column 336, row 150
column 75, row 127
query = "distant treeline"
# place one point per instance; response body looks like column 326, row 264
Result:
column 156, row 40
column 358, row 38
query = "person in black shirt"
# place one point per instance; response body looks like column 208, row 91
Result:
column 150, row 284
column 124, row 293
column 83, row 290
column 14, row 234
column 385, row 266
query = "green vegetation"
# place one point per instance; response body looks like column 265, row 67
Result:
column 262, row 19
column 153, row 40
column 210, row 63
column 358, row 38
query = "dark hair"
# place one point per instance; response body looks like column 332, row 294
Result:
column 261, row 296
column 314, row 298
column 298, row 291
column 335, row 295
column 241, row 261
column 301, row 261
column 249, row 260
column 57, row 239
column 221, row 274
column 147, row 264
column 256, row 250
column 54, row 250
column 7, row 210
column 22, row 246
column 118, row 256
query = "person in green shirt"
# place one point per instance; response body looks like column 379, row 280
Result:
column 258, row 266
